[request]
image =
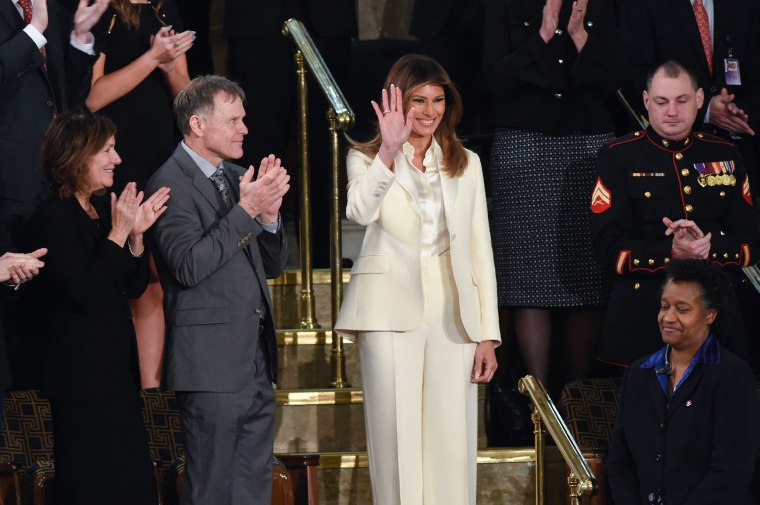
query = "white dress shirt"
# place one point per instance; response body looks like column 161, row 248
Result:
column 435, row 232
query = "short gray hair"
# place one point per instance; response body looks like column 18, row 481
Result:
column 198, row 98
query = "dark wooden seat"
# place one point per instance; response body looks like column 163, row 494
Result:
column 27, row 474
column 590, row 408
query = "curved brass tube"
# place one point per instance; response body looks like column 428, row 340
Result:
column 294, row 29
column 640, row 120
column 582, row 480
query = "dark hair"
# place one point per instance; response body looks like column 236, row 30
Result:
column 70, row 141
column 409, row 73
column 672, row 69
column 715, row 287
column 197, row 98
column 129, row 13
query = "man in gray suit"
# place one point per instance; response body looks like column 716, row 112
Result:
column 215, row 248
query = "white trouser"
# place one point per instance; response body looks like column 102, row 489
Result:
column 419, row 405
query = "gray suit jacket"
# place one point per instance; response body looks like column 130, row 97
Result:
column 213, row 265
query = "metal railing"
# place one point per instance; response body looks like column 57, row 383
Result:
column 340, row 118
column 581, row 480
column 640, row 119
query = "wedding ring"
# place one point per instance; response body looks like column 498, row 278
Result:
column 386, row 111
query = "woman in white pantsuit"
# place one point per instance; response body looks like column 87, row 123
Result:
column 421, row 303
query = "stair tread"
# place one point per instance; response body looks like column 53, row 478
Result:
column 491, row 455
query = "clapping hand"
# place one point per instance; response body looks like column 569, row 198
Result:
column 395, row 127
column 39, row 15
column 150, row 210
column 262, row 197
column 124, row 213
column 550, row 19
column 575, row 27
column 166, row 46
column 17, row 268
column 86, row 16
column 725, row 114
column 689, row 241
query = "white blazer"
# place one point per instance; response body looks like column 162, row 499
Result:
column 385, row 290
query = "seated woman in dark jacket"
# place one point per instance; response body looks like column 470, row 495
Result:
column 687, row 432
column 95, row 262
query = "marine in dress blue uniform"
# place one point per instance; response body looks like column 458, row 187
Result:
column 643, row 177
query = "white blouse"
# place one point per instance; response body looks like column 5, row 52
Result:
column 435, row 232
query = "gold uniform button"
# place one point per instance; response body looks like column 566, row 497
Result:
column 679, row 156
column 684, row 172
column 636, row 262
column 666, row 260
column 687, row 190
column 636, row 286
column 715, row 255
column 722, row 194
column 689, row 208
column 699, row 135
column 651, row 261
column 736, row 255
column 725, row 255
column 637, row 134
column 648, row 194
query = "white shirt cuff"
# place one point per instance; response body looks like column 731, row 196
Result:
column 35, row 35
column 88, row 47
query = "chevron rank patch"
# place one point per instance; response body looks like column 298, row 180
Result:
column 601, row 198
column 745, row 191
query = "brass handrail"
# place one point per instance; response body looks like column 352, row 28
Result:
column 340, row 118
column 294, row 29
column 639, row 118
column 581, row 480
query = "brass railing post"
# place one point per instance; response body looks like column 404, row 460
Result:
column 538, row 436
column 337, row 357
column 308, row 304
column 573, row 484
column 581, row 480
column 341, row 118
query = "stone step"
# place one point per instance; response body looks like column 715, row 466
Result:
column 286, row 296
column 328, row 420
column 506, row 476
column 305, row 360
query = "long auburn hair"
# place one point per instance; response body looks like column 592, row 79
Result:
column 71, row 140
column 409, row 73
column 128, row 13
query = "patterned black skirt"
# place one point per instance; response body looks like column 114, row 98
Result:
column 540, row 219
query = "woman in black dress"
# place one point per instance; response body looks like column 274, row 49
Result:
column 550, row 68
column 140, row 69
column 95, row 261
